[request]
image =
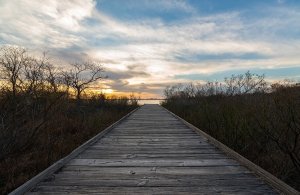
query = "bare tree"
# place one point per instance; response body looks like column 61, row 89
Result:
column 12, row 61
column 25, row 112
column 34, row 75
column 82, row 75
column 245, row 83
column 52, row 77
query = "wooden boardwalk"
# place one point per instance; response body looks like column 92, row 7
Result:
column 152, row 152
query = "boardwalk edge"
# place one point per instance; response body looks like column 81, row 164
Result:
column 270, row 179
column 27, row 186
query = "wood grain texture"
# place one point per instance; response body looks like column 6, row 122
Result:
column 152, row 152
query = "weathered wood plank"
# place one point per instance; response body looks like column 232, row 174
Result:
column 158, row 162
column 244, row 190
column 78, row 176
column 159, row 139
column 153, row 182
column 166, row 151
column 154, row 136
column 153, row 147
column 151, row 141
column 96, row 155
column 157, row 170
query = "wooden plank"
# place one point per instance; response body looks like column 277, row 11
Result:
column 149, row 151
column 244, row 190
column 97, row 155
column 78, row 176
column 157, row 170
column 151, row 139
column 149, row 144
column 153, row 131
column 158, row 162
column 233, row 181
column 152, row 147
column 161, row 150
column 204, row 151
column 154, row 136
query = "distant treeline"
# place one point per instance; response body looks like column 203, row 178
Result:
column 40, row 120
column 260, row 121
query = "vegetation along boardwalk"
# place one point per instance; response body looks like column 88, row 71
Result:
column 152, row 151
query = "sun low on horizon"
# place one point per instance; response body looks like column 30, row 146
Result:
column 147, row 45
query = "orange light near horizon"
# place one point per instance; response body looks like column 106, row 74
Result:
column 114, row 93
column 107, row 91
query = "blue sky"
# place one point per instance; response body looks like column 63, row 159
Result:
column 146, row 45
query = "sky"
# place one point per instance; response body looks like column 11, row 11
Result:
column 146, row 45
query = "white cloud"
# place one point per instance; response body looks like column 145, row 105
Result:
column 48, row 23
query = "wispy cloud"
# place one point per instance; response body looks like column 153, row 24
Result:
column 53, row 24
